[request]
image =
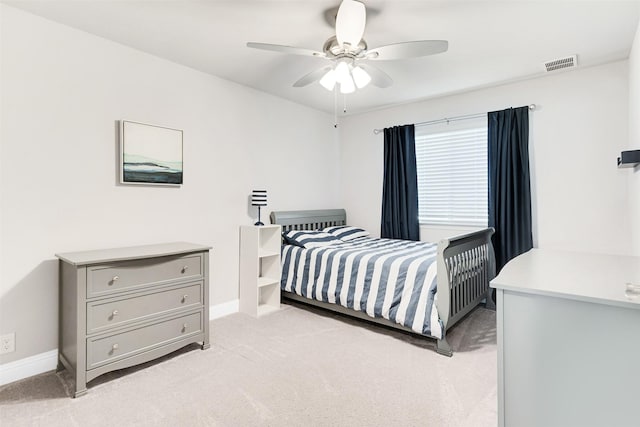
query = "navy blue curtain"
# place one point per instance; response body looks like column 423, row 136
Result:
column 400, row 185
column 509, row 183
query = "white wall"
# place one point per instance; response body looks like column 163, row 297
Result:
column 576, row 134
column 62, row 92
column 634, row 140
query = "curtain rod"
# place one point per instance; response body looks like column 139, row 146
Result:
column 447, row 120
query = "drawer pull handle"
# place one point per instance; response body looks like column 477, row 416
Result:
column 185, row 268
column 115, row 346
column 184, row 297
column 184, row 327
column 114, row 313
column 115, row 279
column 632, row 291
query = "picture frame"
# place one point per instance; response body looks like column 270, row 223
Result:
column 150, row 154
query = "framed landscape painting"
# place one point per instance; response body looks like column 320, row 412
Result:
column 150, row 154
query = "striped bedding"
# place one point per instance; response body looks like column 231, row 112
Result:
column 391, row 279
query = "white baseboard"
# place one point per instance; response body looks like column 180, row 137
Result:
column 224, row 309
column 28, row 367
column 43, row 362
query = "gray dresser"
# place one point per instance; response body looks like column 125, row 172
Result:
column 125, row 306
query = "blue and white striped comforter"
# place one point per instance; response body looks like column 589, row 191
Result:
column 392, row 279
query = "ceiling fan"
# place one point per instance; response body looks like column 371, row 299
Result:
column 350, row 54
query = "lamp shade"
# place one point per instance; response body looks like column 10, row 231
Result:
column 342, row 71
column 259, row 198
column 329, row 80
column 360, row 77
column 347, row 85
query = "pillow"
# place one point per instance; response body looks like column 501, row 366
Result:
column 310, row 239
column 346, row 232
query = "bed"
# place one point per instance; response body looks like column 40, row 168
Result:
column 420, row 287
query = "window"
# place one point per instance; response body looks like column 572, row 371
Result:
column 452, row 174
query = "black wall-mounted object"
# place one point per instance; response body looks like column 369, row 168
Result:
column 629, row 159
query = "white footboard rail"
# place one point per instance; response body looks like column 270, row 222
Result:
column 465, row 266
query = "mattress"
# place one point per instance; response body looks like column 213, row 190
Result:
column 384, row 278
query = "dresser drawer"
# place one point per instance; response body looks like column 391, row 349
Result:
column 130, row 275
column 104, row 314
column 106, row 349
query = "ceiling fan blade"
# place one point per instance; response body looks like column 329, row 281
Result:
column 378, row 77
column 286, row 49
column 312, row 77
column 408, row 50
column 350, row 22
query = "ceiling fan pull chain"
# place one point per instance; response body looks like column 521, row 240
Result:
column 344, row 108
column 335, row 106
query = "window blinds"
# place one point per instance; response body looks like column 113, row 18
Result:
column 452, row 176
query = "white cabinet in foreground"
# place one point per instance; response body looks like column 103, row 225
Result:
column 568, row 340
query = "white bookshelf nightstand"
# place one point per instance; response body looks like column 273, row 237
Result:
column 260, row 269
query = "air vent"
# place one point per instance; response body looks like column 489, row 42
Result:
column 558, row 64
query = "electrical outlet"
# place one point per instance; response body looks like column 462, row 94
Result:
column 8, row 343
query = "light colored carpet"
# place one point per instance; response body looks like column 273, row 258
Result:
column 296, row 367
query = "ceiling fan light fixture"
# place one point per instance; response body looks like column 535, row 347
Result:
column 360, row 77
column 347, row 86
column 328, row 81
column 350, row 22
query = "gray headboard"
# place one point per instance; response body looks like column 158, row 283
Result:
column 309, row 220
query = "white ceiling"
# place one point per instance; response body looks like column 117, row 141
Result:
column 490, row 42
